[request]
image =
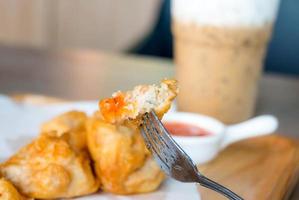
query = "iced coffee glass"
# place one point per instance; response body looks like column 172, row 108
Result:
column 219, row 51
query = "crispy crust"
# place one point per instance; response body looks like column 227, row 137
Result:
column 9, row 192
column 55, row 165
column 69, row 126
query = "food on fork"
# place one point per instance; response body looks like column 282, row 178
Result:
column 9, row 192
column 122, row 161
column 143, row 98
column 54, row 165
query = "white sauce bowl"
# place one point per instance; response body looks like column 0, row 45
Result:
column 202, row 149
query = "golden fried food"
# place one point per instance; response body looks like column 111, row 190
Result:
column 70, row 126
column 122, row 162
column 143, row 98
column 50, row 168
column 57, row 164
column 8, row 191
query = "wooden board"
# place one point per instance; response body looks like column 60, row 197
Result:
column 264, row 168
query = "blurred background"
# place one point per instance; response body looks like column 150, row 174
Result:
column 132, row 26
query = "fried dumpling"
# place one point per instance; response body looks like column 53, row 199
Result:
column 122, row 161
column 69, row 126
column 55, row 165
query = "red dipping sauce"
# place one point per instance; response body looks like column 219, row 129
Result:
column 185, row 129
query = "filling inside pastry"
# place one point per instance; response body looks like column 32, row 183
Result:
column 143, row 98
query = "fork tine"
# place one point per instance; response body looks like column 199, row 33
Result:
column 172, row 153
column 153, row 148
column 159, row 142
column 155, row 134
column 151, row 129
column 167, row 139
column 163, row 132
column 171, row 159
column 160, row 134
column 146, row 138
column 165, row 147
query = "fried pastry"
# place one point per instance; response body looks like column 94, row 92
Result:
column 55, row 165
column 122, row 161
column 8, row 191
column 70, row 126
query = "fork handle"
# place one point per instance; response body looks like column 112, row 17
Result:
column 208, row 183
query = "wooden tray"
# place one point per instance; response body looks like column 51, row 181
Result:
column 264, row 168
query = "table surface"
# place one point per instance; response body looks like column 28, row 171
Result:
column 84, row 74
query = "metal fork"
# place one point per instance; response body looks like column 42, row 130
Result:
column 172, row 158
